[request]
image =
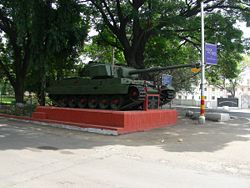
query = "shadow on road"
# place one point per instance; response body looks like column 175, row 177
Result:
column 186, row 136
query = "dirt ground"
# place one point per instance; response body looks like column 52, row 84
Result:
column 216, row 154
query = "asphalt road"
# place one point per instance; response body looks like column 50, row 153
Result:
column 184, row 155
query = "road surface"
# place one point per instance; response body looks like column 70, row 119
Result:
column 184, row 155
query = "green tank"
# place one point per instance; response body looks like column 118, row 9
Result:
column 106, row 86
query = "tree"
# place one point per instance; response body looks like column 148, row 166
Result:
column 133, row 23
column 15, row 51
column 59, row 32
column 162, row 51
column 230, row 85
column 227, row 82
column 40, row 36
column 99, row 51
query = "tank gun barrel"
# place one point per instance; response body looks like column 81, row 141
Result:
column 155, row 69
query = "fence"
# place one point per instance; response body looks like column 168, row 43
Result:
column 191, row 102
column 243, row 102
column 8, row 106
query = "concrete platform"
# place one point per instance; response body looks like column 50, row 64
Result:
column 218, row 116
column 211, row 116
column 116, row 121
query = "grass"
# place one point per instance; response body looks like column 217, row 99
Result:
column 7, row 100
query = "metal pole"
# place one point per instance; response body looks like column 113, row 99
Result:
column 202, row 105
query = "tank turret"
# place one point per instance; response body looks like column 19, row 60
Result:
column 101, row 70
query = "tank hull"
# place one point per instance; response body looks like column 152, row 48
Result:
column 85, row 86
column 106, row 93
column 113, row 93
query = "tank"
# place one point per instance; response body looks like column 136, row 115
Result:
column 106, row 86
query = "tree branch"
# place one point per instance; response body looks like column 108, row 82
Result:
column 114, row 44
column 137, row 3
column 185, row 38
column 196, row 9
column 105, row 18
column 114, row 28
column 109, row 13
column 119, row 10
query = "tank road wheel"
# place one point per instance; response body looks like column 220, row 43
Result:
column 92, row 102
column 54, row 100
column 82, row 102
column 72, row 102
column 116, row 102
column 62, row 102
column 104, row 102
column 133, row 93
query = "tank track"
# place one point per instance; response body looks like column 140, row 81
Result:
column 113, row 102
column 135, row 103
column 167, row 96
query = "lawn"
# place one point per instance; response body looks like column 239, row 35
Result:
column 6, row 100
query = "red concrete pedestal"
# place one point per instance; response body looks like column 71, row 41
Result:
column 119, row 121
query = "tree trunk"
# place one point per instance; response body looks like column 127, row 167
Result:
column 19, row 90
column 135, row 58
column 139, row 57
column 41, row 95
column 130, row 59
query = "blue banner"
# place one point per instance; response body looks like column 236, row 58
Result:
column 210, row 54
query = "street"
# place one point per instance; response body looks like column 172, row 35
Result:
column 185, row 155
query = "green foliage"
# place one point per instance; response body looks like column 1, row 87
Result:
column 5, row 87
column 164, row 52
column 58, row 35
column 97, row 50
column 229, row 82
column 246, row 60
column 154, row 32
column 43, row 40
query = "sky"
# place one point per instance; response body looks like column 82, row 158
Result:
column 244, row 28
